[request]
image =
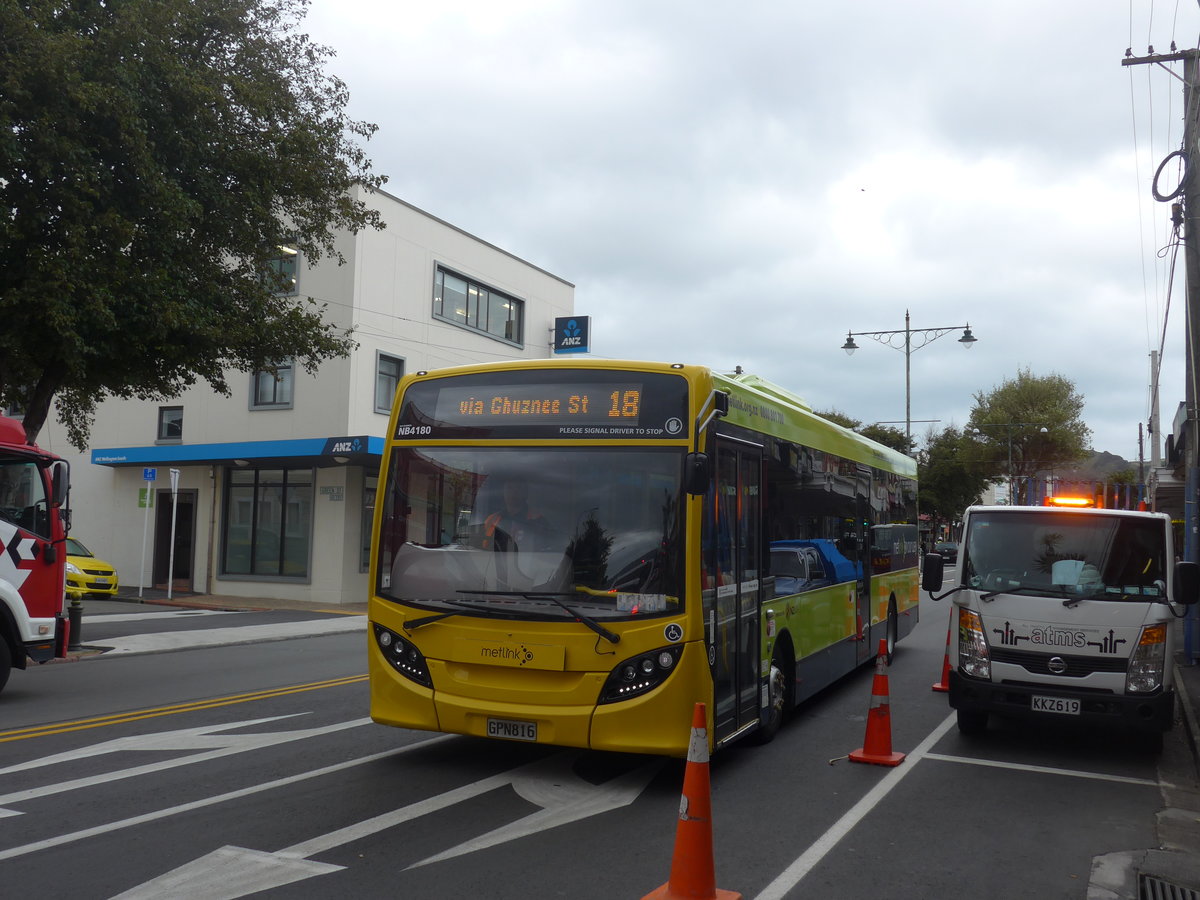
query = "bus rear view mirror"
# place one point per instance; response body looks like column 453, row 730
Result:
column 1187, row 582
column 696, row 474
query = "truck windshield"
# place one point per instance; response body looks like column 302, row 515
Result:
column 513, row 530
column 1107, row 557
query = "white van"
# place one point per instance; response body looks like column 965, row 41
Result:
column 1066, row 614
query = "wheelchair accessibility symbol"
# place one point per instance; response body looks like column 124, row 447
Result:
column 673, row 633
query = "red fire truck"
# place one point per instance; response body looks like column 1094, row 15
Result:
column 33, row 525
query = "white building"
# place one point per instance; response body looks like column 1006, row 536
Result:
column 277, row 483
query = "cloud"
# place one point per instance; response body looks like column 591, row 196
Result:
column 743, row 184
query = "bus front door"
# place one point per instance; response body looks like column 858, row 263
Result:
column 733, row 553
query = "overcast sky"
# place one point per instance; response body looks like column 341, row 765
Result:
column 743, row 183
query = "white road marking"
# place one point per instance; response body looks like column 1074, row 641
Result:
column 1072, row 773
column 205, row 738
column 232, row 872
column 63, row 839
column 792, row 875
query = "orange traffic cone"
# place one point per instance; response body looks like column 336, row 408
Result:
column 693, row 875
column 944, row 685
column 877, row 746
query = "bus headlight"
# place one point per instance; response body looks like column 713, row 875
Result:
column 634, row 677
column 974, row 659
column 1148, row 661
column 403, row 656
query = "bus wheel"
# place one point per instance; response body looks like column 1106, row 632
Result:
column 5, row 662
column 893, row 630
column 972, row 721
column 771, row 719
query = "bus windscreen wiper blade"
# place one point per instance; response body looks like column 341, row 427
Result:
column 553, row 596
column 437, row 617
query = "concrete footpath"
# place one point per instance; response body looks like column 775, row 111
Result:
column 1169, row 870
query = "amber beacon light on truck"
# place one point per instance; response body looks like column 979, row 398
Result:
column 1068, row 502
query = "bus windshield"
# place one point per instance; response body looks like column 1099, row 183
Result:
column 521, row 531
column 1068, row 555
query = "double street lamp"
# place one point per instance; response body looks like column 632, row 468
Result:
column 903, row 340
column 1009, row 426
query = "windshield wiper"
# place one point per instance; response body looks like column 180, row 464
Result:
column 1014, row 589
column 553, row 597
column 437, row 617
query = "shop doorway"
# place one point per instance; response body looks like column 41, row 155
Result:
column 180, row 569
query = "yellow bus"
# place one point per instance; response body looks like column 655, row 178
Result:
column 575, row 552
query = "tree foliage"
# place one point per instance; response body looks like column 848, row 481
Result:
column 948, row 477
column 1034, row 421
column 154, row 155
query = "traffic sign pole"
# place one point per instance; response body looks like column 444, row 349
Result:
column 148, row 475
column 174, row 516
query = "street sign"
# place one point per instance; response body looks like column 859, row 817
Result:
column 145, row 498
column 149, row 474
column 174, row 481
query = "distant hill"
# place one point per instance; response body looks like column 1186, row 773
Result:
column 1100, row 467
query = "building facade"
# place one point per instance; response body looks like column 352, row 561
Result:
column 275, row 485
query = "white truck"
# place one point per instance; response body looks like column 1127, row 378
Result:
column 1065, row 614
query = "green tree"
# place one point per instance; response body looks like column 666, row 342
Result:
column 949, row 478
column 1033, row 421
column 155, row 155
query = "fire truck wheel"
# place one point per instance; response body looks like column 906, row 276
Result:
column 5, row 662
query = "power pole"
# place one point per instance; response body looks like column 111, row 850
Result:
column 1189, row 189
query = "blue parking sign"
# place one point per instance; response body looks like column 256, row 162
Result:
column 149, row 474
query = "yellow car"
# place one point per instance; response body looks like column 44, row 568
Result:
column 86, row 574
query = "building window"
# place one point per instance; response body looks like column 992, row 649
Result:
column 283, row 268
column 471, row 305
column 272, row 387
column 388, row 372
column 267, row 522
column 170, row 423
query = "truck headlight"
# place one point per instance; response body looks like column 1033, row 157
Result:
column 1148, row 661
column 973, row 656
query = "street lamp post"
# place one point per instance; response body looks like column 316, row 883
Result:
column 889, row 338
column 1009, row 426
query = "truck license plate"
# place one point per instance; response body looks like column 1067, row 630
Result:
column 1064, row 705
column 511, row 729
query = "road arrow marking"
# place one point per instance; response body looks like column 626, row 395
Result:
column 228, row 873
column 234, row 872
column 205, row 738
column 563, row 796
column 61, row 840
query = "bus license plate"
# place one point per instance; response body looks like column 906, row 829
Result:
column 1064, row 705
column 512, row 730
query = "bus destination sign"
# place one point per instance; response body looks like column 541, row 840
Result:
column 578, row 404
column 531, row 406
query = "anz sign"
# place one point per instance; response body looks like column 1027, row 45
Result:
column 572, row 334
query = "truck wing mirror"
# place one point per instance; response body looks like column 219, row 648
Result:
column 696, row 473
column 932, row 572
column 60, row 481
column 1186, row 589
